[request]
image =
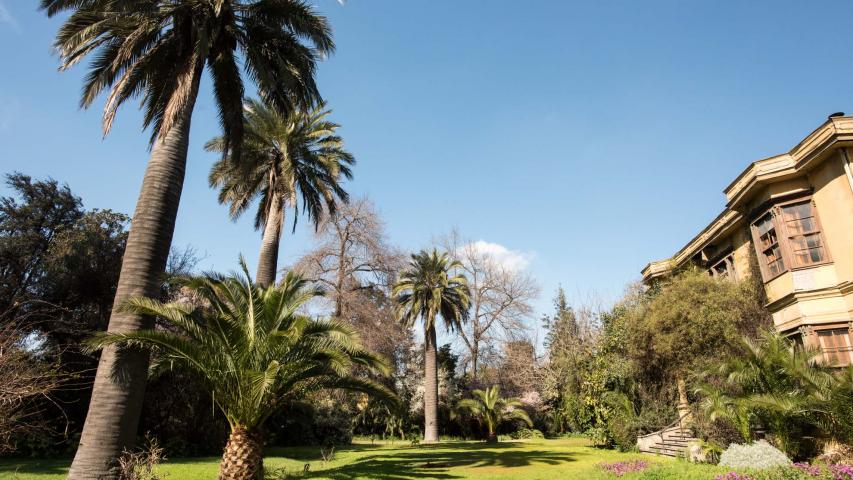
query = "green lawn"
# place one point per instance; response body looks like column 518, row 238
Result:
column 523, row 460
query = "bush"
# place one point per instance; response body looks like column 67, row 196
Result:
column 332, row 426
column 526, row 433
column 299, row 424
column 758, row 456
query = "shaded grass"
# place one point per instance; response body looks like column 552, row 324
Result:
column 520, row 460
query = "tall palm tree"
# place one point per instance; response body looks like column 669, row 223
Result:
column 253, row 350
column 157, row 50
column 284, row 157
column 492, row 410
column 428, row 288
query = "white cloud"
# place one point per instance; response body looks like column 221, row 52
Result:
column 7, row 18
column 510, row 259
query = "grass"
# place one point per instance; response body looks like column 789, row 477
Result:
column 519, row 460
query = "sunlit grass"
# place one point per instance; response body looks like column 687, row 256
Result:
column 521, row 460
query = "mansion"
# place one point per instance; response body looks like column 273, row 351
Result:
column 789, row 219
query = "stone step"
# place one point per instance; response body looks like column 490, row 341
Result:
column 668, row 451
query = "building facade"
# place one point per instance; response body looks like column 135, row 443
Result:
column 789, row 219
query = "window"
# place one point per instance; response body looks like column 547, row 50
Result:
column 788, row 237
column 724, row 268
column 803, row 234
column 836, row 346
column 767, row 243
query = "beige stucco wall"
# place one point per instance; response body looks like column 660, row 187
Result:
column 833, row 197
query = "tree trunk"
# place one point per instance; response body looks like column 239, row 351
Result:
column 268, row 259
column 683, row 405
column 243, row 456
column 475, row 354
column 119, row 386
column 430, row 387
column 492, row 438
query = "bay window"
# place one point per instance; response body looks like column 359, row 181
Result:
column 788, row 236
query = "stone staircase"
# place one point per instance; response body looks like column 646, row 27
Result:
column 671, row 441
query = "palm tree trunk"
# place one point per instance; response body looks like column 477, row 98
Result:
column 268, row 258
column 430, row 387
column 243, row 456
column 119, row 385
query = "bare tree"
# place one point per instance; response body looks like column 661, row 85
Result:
column 353, row 256
column 500, row 298
column 24, row 389
column 518, row 368
column 355, row 263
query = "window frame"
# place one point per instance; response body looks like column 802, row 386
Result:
column 727, row 259
column 783, row 237
column 819, row 229
column 835, row 351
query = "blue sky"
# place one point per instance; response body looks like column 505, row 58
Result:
column 591, row 137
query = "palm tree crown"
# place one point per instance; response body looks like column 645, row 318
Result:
column 429, row 287
column 284, row 156
column 253, row 351
column 157, row 49
column 492, row 410
column 250, row 345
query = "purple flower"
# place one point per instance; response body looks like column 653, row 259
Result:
column 840, row 471
column 621, row 468
column 810, row 470
column 733, row 476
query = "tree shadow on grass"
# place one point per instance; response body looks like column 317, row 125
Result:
column 13, row 466
column 435, row 461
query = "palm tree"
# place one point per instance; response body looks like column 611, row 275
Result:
column 783, row 388
column 252, row 351
column 426, row 289
column 284, row 157
column 492, row 410
column 157, row 50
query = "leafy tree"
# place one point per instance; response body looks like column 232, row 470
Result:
column 692, row 320
column 426, row 289
column 28, row 226
column 157, row 50
column 59, row 265
column 570, row 337
column 284, row 157
column 253, row 351
column 492, row 410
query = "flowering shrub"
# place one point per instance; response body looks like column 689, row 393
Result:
column 810, row 470
column 621, row 468
column 841, row 472
column 797, row 471
column 757, row 456
column 733, row 476
column 828, row 472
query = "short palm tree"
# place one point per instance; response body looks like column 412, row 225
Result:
column 492, row 410
column 284, row 157
column 782, row 388
column 427, row 289
column 253, row 350
column 157, row 50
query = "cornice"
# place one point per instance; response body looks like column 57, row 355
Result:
column 810, row 151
